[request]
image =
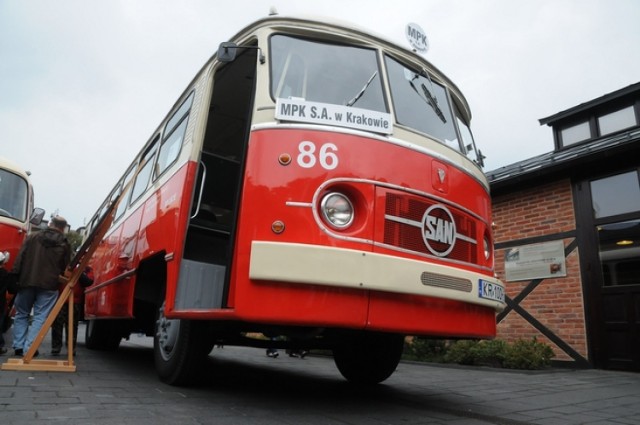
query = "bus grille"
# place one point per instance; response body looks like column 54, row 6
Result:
column 404, row 227
column 447, row 282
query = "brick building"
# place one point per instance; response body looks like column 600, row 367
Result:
column 568, row 236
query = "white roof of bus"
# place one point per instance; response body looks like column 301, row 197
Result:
column 13, row 167
column 315, row 20
column 329, row 22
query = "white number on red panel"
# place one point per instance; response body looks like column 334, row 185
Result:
column 327, row 156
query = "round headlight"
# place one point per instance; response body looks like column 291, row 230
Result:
column 487, row 248
column 337, row 210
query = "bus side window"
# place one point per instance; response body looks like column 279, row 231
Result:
column 173, row 137
column 105, row 208
column 122, row 206
column 468, row 144
column 142, row 179
column 171, row 148
column 90, row 226
column 114, row 195
column 181, row 112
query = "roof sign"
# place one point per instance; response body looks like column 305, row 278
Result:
column 417, row 37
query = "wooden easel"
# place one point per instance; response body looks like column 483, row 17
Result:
column 27, row 362
column 76, row 267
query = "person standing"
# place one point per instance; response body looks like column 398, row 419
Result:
column 62, row 320
column 43, row 257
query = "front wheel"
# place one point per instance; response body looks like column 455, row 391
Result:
column 368, row 358
column 180, row 349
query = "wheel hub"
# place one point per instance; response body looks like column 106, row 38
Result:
column 167, row 331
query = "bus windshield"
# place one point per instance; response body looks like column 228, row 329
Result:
column 350, row 76
column 13, row 196
column 326, row 73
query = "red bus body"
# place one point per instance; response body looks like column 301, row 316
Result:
column 232, row 231
column 16, row 206
column 359, row 303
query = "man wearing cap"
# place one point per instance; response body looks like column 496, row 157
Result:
column 43, row 257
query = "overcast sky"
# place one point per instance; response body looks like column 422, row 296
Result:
column 84, row 83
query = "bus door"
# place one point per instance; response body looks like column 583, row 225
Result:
column 205, row 267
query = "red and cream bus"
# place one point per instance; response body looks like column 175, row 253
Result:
column 315, row 184
column 16, row 213
column 16, row 209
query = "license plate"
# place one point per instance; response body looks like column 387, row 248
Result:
column 490, row 291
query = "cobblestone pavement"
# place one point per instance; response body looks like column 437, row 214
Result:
column 243, row 386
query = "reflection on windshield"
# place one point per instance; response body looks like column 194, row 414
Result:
column 13, row 196
column 326, row 73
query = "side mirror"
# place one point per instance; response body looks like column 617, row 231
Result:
column 227, row 51
column 481, row 159
column 36, row 216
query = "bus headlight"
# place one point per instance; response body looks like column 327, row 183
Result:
column 487, row 248
column 337, row 210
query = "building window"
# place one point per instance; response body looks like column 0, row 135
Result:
column 618, row 120
column 619, row 245
column 615, row 195
column 576, row 133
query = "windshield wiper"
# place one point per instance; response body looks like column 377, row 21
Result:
column 433, row 102
column 429, row 98
column 366, row 86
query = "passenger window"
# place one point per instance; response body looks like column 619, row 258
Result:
column 142, row 180
column 122, row 206
column 181, row 112
column 171, row 148
column 92, row 225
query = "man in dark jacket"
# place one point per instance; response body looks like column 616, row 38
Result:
column 43, row 257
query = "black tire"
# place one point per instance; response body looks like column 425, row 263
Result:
column 180, row 349
column 102, row 335
column 368, row 358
